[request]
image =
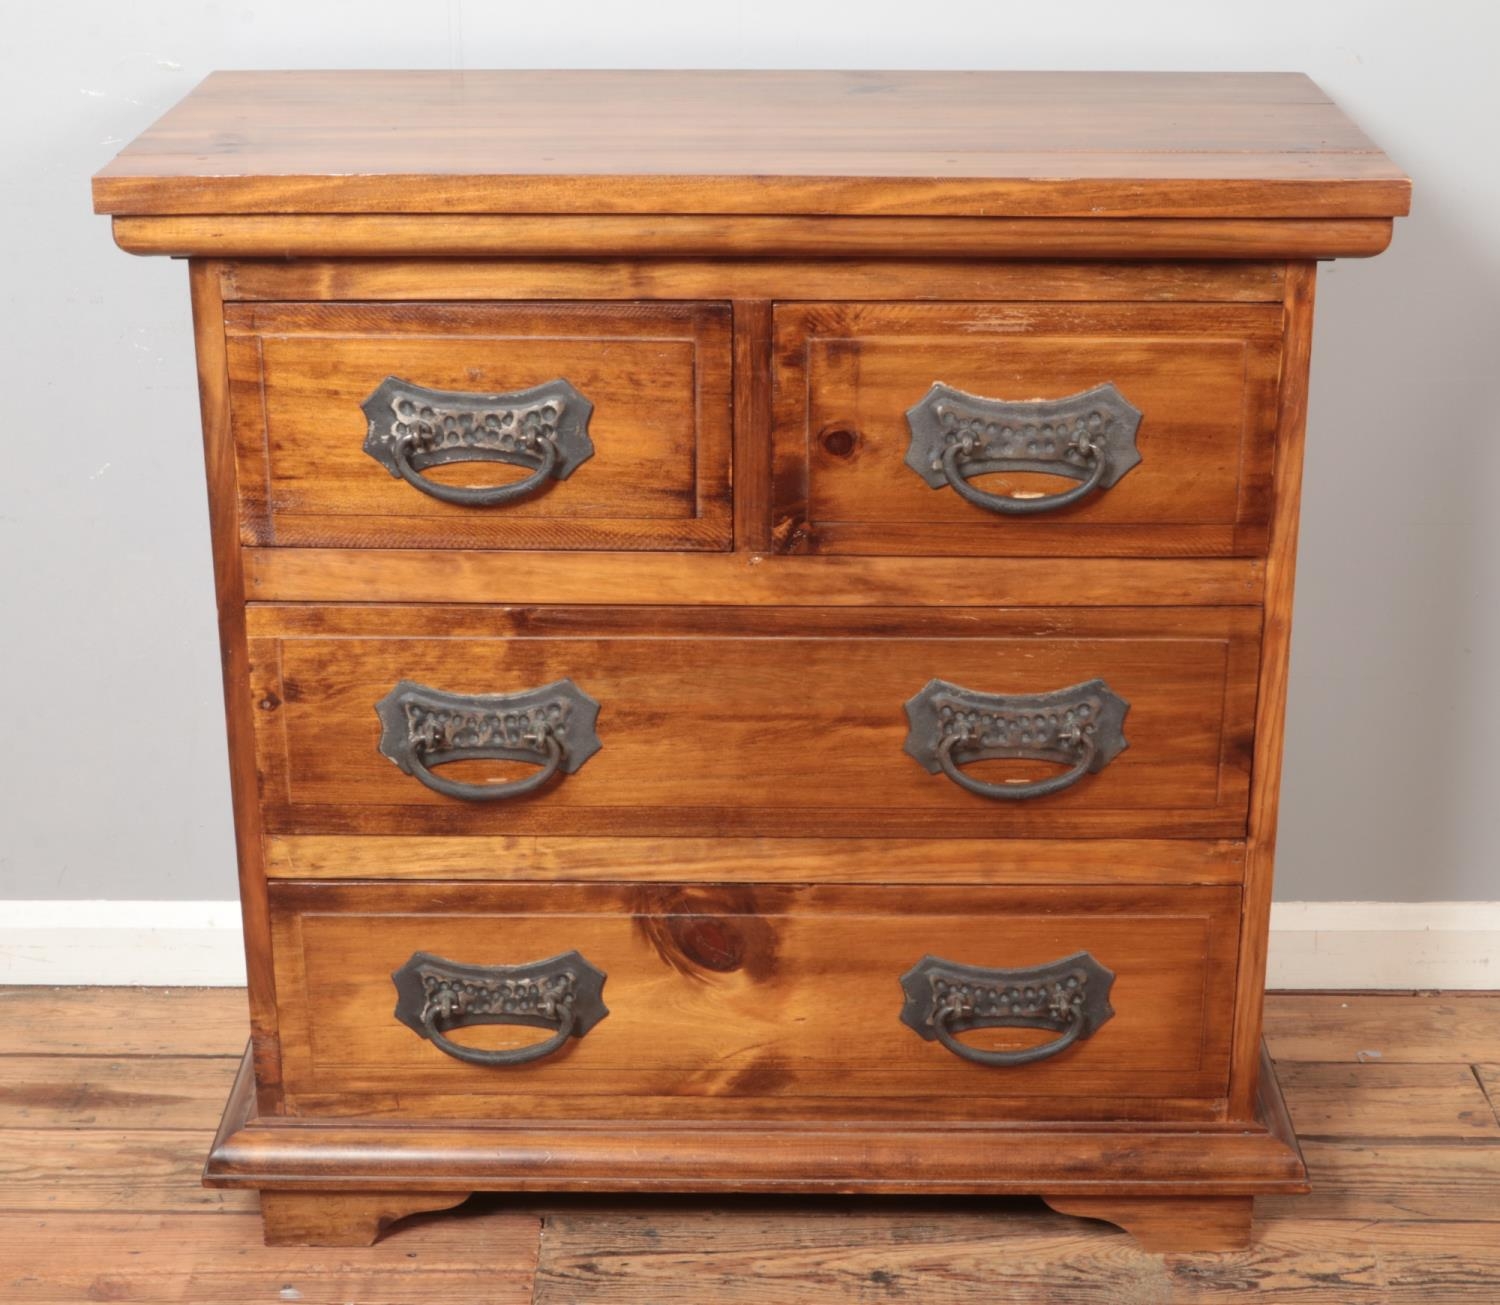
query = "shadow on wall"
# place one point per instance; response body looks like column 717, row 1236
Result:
column 1391, row 708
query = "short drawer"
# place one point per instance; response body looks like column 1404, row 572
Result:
column 412, row 425
column 1025, row 428
column 686, row 1001
column 1055, row 723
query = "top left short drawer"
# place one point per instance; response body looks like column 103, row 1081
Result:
column 560, row 426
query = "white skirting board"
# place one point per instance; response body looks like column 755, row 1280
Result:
column 1399, row 945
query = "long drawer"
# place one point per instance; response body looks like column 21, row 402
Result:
column 426, row 425
column 1055, row 723
column 612, row 1000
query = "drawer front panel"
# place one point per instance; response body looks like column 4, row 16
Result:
column 636, row 396
column 671, row 721
column 724, row 1000
column 1191, row 394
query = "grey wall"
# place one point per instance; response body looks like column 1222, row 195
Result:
column 112, row 775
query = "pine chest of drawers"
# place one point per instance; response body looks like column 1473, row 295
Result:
column 755, row 615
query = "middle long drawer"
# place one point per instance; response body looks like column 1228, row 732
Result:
column 1070, row 722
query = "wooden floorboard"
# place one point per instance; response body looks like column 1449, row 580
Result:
column 1443, row 1029
column 1489, row 1080
column 162, row 1258
column 1387, row 1101
column 101, row 1092
column 949, row 1256
column 108, row 1099
column 124, row 1022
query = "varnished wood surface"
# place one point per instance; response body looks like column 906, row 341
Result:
column 1204, row 377
column 907, row 277
column 723, row 995
column 230, row 596
column 755, row 721
column 1178, row 1225
column 350, row 1219
column 658, row 376
column 553, row 235
column 1163, row 1159
column 1275, row 661
column 743, row 579
column 754, row 860
column 1390, row 1225
column 717, row 142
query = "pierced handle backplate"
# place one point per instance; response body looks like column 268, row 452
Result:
column 1080, row 727
column 412, row 428
column 1088, row 437
column 553, row 727
column 435, row 996
column 944, row 999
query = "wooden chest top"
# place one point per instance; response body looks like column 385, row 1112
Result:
column 972, row 144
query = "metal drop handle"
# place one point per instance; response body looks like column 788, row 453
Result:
column 1017, row 792
column 1080, row 727
column 412, row 428
column 434, row 996
column 1006, row 505
column 552, row 726
column 1088, row 437
column 544, row 739
column 486, row 496
column 944, row 998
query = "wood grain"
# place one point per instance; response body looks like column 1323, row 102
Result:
column 1275, row 660
column 950, row 1253
column 734, row 993
column 1205, row 379
column 109, row 1170
column 343, row 1218
column 230, row 595
column 698, row 709
column 38, row 1021
column 1392, row 1179
column 791, row 258
column 59, row 1091
column 1489, row 1080
column 743, row 579
column 57, row 1258
column 658, row 376
column 747, row 1250
column 748, row 279
column 1023, row 144
column 752, row 423
column 755, row 860
column 1384, row 1027
column 1174, row 1224
column 1387, row 1101
column 379, row 235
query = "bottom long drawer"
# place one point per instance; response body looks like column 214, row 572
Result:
column 609, row 1001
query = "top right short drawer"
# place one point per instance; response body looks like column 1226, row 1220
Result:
column 1083, row 429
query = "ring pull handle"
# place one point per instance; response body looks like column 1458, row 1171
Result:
column 1080, row 727
column 435, row 996
column 1088, row 437
column 944, row 999
column 412, row 428
column 552, row 726
column 1016, row 792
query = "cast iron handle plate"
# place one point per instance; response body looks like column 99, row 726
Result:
column 551, row 726
column 545, row 428
column 434, row 996
column 1088, row 437
column 944, row 999
column 1081, row 727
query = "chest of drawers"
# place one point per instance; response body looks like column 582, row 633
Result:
column 755, row 615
